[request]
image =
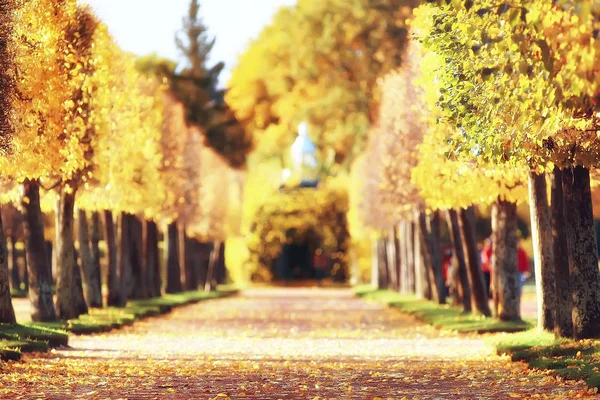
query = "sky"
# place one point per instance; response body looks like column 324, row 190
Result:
column 149, row 26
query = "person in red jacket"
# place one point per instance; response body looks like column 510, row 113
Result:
column 523, row 265
column 523, row 261
column 486, row 264
column 447, row 270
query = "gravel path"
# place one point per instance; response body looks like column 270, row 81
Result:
column 278, row 344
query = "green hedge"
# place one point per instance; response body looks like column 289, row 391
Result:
column 440, row 316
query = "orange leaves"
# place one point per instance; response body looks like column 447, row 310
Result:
column 244, row 347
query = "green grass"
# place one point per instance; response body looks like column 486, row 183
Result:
column 440, row 316
column 16, row 339
column 577, row 360
column 107, row 319
column 18, row 293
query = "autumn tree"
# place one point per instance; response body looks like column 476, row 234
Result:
column 319, row 63
column 78, row 66
column 535, row 84
column 208, row 223
column 7, row 313
column 125, row 182
column 447, row 181
column 39, row 109
column 401, row 129
column 196, row 87
column 373, row 212
column 173, row 140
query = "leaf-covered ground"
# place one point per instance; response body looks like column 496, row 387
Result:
column 279, row 344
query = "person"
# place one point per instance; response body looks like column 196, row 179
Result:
column 320, row 263
column 486, row 264
column 447, row 270
column 523, row 267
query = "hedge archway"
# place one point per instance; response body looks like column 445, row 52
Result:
column 317, row 216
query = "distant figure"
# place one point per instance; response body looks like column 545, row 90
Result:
column 523, row 267
column 486, row 264
column 447, row 270
column 320, row 263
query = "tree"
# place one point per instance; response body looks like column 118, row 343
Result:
column 196, row 87
column 7, row 313
column 525, row 93
column 12, row 220
column 319, row 63
column 44, row 91
column 124, row 177
column 79, row 67
column 401, row 130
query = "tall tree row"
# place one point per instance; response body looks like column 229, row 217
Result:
column 536, row 109
column 510, row 98
column 84, row 127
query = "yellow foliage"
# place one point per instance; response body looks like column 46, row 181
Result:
column 318, row 62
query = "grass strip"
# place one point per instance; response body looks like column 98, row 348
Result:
column 16, row 339
column 569, row 359
column 440, row 316
column 106, row 319
column 18, row 293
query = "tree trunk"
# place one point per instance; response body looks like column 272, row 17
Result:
column 110, row 235
column 194, row 263
column 51, row 250
column 205, row 250
column 211, row 281
column 222, row 271
column 506, row 276
column 398, row 259
column 139, row 278
column 461, row 276
column 182, row 253
column 7, row 312
column 152, row 259
column 82, row 307
column 392, row 259
column 583, row 260
column 194, row 251
column 91, row 274
column 124, row 259
column 479, row 294
column 563, row 326
column 25, row 272
column 15, row 276
column 541, row 234
column 420, row 273
column 435, row 227
column 426, row 257
column 410, row 272
column 186, row 251
column 375, row 268
column 430, row 241
column 173, row 266
column 96, row 233
column 455, row 288
column 69, row 297
column 403, row 258
column 384, row 278
column 38, row 265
